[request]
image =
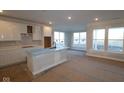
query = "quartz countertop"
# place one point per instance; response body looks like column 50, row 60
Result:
column 19, row 47
column 38, row 51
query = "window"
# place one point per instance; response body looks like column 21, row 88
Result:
column 98, row 39
column 59, row 39
column 76, row 38
column 79, row 40
column 115, row 39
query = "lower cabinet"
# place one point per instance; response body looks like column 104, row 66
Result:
column 10, row 31
column 12, row 56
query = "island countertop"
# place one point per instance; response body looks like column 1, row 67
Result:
column 38, row 51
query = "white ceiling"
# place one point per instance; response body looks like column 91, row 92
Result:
column 80, row 18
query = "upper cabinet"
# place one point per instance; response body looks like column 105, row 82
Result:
column 21, row 28
column 3, row 29
column 47, row 30
column 18, row 28
column 7, row 31
column 36, row 32
column 10, row 31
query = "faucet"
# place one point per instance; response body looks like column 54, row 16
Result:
column 54, row 44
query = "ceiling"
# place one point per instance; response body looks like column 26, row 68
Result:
column 59, row 18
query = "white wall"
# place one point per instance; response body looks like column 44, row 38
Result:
column 68, row 39
column 106, row 25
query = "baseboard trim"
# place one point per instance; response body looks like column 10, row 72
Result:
column 110, row 58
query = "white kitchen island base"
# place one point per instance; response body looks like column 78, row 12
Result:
column 43, row 59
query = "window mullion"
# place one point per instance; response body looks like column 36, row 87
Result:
column 123, row 41
column 59, row 38
column 106, row 39
column 79, row 38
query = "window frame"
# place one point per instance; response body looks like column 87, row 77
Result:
column 79, row 44
column 106, row 40
column 59, row 39
column 98, row 39
column 115, row 39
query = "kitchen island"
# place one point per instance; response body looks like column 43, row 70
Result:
column 40, row 59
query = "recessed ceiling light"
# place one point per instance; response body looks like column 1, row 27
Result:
column 69, row 17
column 50, row 22
column 1, row 11
column 96, row 19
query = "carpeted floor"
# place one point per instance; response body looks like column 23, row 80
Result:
column 78, row 68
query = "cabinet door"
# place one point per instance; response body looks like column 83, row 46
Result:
column 21, row 28
column 2, row 36
column 10, row 31
column 37, row 33
column 6, row 33
column 17, row 29
column 47, row 31
column 16, row 32
column 10, row 34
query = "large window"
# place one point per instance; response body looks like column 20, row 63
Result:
column 98, row 39
column 79, row 40
column 59, row 39
column 115, row 39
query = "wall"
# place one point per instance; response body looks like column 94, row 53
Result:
column 103, row 54
column 69, row 40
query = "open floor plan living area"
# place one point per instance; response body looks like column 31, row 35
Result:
column 61, row 46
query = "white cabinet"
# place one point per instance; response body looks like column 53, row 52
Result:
column 21, row 28
column 12, row 55
column 6, row 32
column 10, row 31
column 37, row 33
column 17, row 29
column 47, row 31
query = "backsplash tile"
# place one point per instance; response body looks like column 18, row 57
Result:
column 26, row 39
column 7, row 43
